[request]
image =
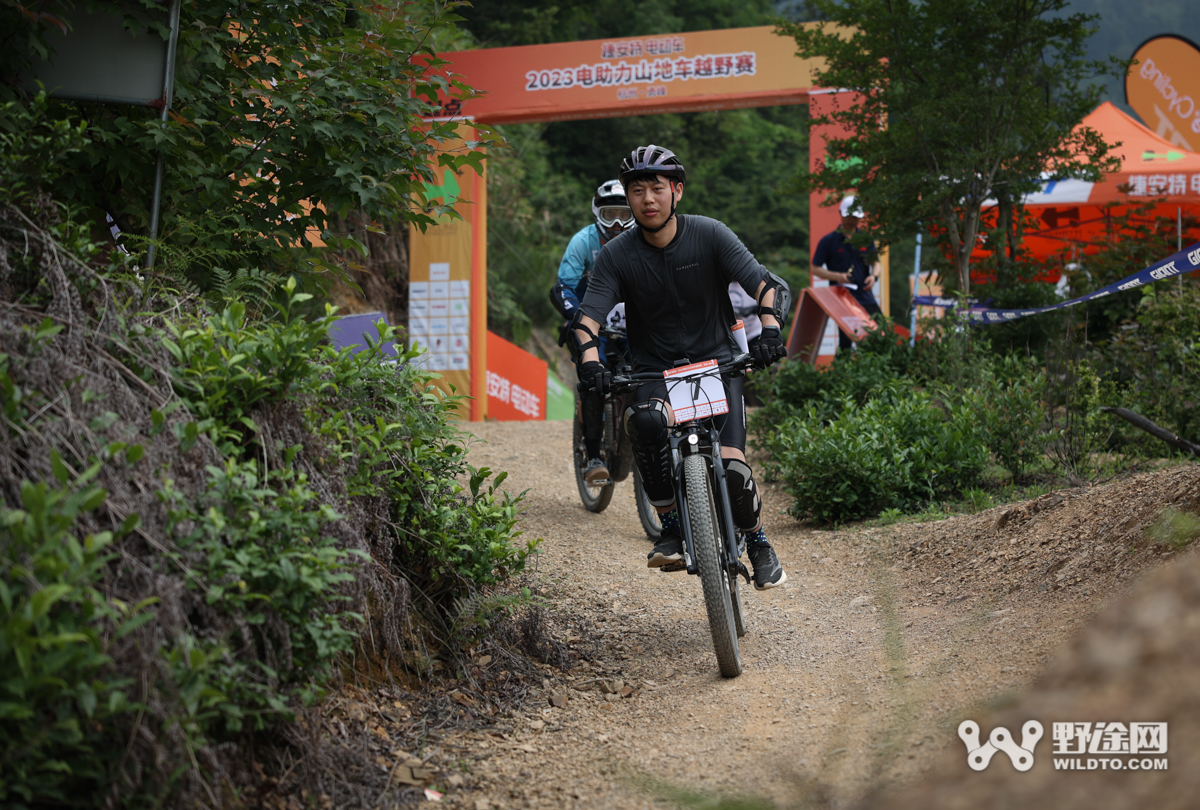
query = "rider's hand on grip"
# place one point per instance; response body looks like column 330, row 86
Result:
column 596, row 376
column 768, row 347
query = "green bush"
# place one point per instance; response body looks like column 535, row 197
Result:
column 1011, row 407
column 953, row 352
column 897, row 451
column 796, row 387
column 378, row 423
column 333, row 494
column 1154, row 357
column 58, row 694
column 265, row 558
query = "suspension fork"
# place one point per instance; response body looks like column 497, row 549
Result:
column 681, row 500
column 681, row 446
column 724, row 506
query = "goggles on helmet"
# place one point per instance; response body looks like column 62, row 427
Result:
column 612, row 215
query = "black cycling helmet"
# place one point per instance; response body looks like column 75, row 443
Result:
column 611, row 211
column 653, row 161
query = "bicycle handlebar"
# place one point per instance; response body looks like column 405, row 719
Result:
column 740, row 363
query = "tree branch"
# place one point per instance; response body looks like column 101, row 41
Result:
column 1142, row 423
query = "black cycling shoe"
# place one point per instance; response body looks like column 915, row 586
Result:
column 596, row 472
column 768, row 573
column 668, row 549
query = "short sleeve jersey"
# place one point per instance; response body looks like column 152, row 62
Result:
column 676, row 298
column 835, row 252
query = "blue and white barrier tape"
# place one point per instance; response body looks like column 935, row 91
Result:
column 1185, row 261
column 935, row 301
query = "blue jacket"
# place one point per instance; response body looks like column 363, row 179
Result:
column 576, row 265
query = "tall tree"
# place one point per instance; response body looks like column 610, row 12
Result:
column 959, row 101
column 288, row 114
column 498, row 23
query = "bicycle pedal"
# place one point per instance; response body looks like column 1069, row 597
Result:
column 600, row 482
column 671, row 567
column 743, row 571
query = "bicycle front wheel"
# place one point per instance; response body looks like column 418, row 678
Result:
column 706, row 538
column 595, row 498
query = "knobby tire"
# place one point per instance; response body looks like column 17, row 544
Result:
column 646, row 511
column 595, row 499
column 706, row 539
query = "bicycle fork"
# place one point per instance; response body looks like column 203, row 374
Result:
column 692, row 443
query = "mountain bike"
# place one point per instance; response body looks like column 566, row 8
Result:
column 712, row 545
column 615, row 450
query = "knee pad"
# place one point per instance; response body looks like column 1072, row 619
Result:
column 646, row 427
column 743, row 494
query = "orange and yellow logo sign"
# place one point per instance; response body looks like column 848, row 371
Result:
column 1163, row 88
column 699, row 70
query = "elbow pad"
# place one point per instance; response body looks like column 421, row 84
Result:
column 783, row 299
column 576, row 346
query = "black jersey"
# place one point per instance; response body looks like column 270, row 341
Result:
column 676, row 298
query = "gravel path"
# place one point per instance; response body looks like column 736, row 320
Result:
column 857, row 670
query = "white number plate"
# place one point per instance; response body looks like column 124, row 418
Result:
column 696, row 391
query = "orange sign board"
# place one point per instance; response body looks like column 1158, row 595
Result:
column 817, row 306
column 1163, row 88
column 701, row 70
column 447, row 286
column 516, row 382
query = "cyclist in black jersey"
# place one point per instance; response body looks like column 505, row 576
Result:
column 673, row 273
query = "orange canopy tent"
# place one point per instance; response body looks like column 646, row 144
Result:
column 1072, row 213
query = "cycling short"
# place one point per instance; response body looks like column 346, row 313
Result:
column 732, row 425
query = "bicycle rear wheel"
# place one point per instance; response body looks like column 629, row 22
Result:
column 702, row 514
column 595, row 498
column 646, row 512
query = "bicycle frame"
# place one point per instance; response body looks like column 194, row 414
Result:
column 699, row 437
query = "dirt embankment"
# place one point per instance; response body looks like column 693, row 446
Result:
column 858, row 670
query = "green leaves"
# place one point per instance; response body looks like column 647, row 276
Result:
column 897, row 451
column 266, row 559
column 53, row 662
column 278, row 128
column 978, row 99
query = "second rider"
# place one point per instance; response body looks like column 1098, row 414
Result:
column 611, row 213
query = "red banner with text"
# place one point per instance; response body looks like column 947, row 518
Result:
column 516, row 382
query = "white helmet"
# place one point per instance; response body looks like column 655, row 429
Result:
column 611, row 210
column 850, row 207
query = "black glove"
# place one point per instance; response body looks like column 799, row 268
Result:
column 767, row 347
column 596, row 376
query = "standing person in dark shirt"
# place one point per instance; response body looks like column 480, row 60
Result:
column 673, row 273
column 839, row 262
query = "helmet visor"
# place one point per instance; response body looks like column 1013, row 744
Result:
column 611, row 215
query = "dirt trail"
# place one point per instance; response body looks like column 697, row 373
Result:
column 857, row 671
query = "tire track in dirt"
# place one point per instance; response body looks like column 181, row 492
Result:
column 857, row 670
